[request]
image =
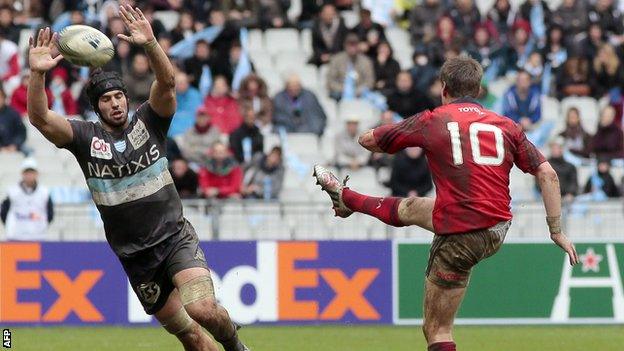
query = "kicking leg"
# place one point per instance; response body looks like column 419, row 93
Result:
column 197, row 296
column 176, row 321
column 440, row 306
column 393, row 211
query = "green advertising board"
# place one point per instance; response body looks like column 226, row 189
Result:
column 524, row 283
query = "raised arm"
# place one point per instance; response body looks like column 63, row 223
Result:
column 549, row 184
column 52, row 125
column 162, row 93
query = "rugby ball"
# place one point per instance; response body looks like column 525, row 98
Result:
column 85, row 46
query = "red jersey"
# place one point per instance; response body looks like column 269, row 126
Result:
column 470, row 152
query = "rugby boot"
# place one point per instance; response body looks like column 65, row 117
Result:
column 332, row 186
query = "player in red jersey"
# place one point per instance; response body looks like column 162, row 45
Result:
column 470, row 152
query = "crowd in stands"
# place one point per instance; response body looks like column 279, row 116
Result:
column 226, row 112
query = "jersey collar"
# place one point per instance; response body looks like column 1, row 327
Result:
column 466, row 100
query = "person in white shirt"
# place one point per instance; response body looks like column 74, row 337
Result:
column 28, row 208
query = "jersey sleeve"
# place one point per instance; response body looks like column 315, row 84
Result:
column 409, row 132
column 153, row 120
column 82, row 133
column 526, row 156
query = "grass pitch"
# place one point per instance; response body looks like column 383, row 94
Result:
column 330, row 338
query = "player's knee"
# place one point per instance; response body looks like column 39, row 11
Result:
column 204, row 311
column 178, row 324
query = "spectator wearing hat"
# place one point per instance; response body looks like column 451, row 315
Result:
column 12, row 129
column 196, row 141
column 297, row 109
column 350, row 72
column 349, row 153
column 28, row 208
column 328, row 34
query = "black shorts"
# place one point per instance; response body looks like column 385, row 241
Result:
column 151, row 271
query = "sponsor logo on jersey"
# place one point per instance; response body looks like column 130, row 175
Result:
column 471, row 109
column 140, row 162
column 139, row 135
column 101, row 149
column 149, row 292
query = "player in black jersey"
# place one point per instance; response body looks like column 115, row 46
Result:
column 126, row 170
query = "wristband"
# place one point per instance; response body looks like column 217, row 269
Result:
column 150, row 44
column 554, row 224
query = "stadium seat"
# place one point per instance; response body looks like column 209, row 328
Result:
column 306, row 41
column 588, row 109
column 261, row 60
column 302, row 143
column 256, row 41
column 399, row 39
column 351, row 18
column 278, row 40
column 367, row 113
column 404, row 57
column 169, row 19
column 309, row 77
column 273, row 79
column 289, row 61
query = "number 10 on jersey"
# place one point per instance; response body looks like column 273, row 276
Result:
column 474, row 129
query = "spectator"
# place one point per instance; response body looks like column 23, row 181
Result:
column 501, row 17
column 309, row 11
column 173, row 151
column 12, row 129
column 297, row 109
column 434, row 91
column 423, row 21
column 602, row 181
column 465, row 15
column 247, row 140
column 535, row 67
column 194, row 65
column 63, row 101
column 28, row 208
column 196, row 141
column 566, row 171
column 381, row 11
column 572, row 17
column 244, row 13
column 188, row 101
column 328, row 34
column 554, row 53
column 575, row 79
column 265, row 176
column 253, row 93
column 185, row 27
column 9, row 63
column 447, row 38
column 531, row 5
column 576, row 139
column 486, row 98
column 230, row 33
column 184, row 179
column 221, row 177
column 522, row 102
column 350, row 73
column 386, row 68
column 228, row 67
column 588, row 47
column 369, row 33
column 607, row 70
column 222, row 107
column 20, row 94
column 139, row 81
column 518, row 48
column 349, row 153
column 122, row 60
column 604, row 13
column 8, row 26
column 273, row 13
column 423, row 72
column 410, row 174
column 485, row 50
column 405, row 100
column 608, row 142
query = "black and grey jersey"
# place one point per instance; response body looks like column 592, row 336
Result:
column 129, row 180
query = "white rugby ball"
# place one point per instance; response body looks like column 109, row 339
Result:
column 85, row 46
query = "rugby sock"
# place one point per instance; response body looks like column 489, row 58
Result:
column 385, row 209
column 442, row 346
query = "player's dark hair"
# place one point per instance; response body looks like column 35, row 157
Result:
column 462, row 76
column 100, row 83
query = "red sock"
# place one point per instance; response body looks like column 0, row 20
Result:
column 442, row 346
column 385, row 209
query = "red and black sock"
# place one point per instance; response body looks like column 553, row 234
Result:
column 385, row 209
column 442, row 346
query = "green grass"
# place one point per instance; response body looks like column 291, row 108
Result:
column 330, row 338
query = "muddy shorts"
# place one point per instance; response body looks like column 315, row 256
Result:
column 452, row 257
column 151, row 271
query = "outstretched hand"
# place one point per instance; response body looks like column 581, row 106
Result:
column 563, row 242
column 136, row 23
column 43, row 54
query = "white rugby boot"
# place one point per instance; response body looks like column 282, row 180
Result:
column 332, row 186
